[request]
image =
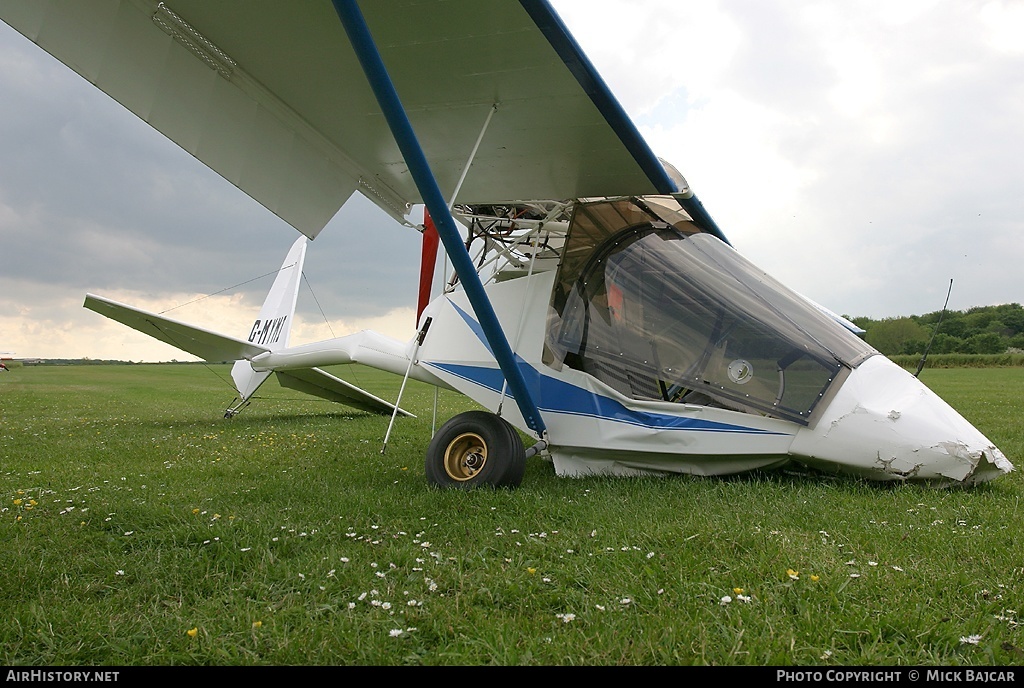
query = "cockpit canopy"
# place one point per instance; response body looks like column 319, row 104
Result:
column 656, row 309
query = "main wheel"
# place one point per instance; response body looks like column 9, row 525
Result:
column 475, row 449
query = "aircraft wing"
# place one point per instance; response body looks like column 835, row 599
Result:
column 326, row 386
column 207, row 345
column 271, row 96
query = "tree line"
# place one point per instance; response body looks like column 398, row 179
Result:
column 978, row 330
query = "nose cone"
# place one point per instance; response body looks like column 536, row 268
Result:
column 884, row 424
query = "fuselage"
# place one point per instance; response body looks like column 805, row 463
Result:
column 652, row 347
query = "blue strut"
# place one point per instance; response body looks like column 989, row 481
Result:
column 387, row 97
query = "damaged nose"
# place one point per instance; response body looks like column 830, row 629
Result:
column 886, row 424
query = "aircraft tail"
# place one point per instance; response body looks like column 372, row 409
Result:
column 272, row 328
column 270, row 332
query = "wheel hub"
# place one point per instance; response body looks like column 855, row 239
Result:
column 465, row 456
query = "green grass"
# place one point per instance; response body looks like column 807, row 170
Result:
column 285, row 537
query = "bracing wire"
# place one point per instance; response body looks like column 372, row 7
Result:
column 180, row 305
column 317, row 301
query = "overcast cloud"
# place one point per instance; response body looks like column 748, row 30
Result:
column 863, row 152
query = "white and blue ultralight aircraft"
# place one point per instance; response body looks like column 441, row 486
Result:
column 597, row 307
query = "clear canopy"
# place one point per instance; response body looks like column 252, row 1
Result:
column 657, row 310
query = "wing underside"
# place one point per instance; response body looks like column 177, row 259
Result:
column 321, row 384
column 271, row 96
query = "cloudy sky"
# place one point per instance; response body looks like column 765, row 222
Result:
column 863, row 152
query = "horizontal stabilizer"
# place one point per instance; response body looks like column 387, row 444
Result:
column 207, row 345
column 324, row 385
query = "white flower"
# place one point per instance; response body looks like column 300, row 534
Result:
column 970, row 639
column 626, row 600
column 566, row 618
column 743, row 598
column 725, row 600
column 395, row 632
column 119, row 572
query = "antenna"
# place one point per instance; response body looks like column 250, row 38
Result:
column 928, row 348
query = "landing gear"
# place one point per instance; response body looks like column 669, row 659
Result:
column 233, row 411
column 476, row 449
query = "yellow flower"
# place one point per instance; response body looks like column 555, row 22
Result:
column 195, row 511
column 738, row 591
column 32, row 502
column 192, row 632
column 531, row 570
column 17, row 502
column 257, row 624
column 814, row 578
column 795, row 575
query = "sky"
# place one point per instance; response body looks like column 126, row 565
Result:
column 863, row 152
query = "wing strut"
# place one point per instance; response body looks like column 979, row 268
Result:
column 398, row 121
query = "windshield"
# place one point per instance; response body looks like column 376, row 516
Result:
column 657, row 310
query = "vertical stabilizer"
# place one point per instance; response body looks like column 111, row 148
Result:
column 272, row 327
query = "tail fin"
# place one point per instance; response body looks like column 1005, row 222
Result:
column 272, row 328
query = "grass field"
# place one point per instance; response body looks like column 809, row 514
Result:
column 142, row 528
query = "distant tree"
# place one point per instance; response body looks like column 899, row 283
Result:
column 953, row 324
column 979, row 318
column 890, row 336
column 914, row 346
column 1012, row 315
column 986, row 343
column 982, row 329
column 861, row 322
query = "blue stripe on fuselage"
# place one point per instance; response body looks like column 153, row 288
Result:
column 559, row 396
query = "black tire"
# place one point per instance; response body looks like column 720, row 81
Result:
column 514, row 475
column 475, row 449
